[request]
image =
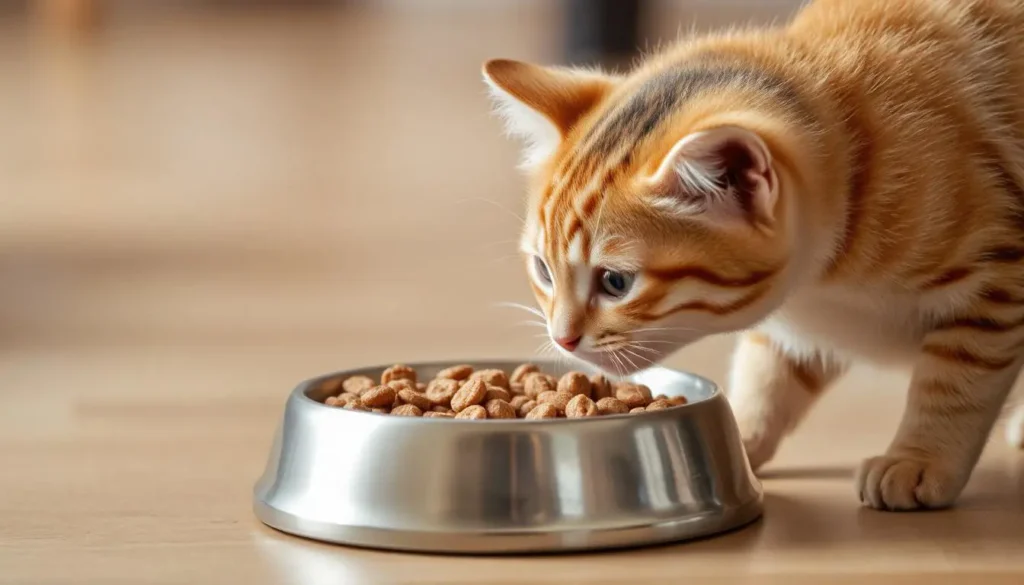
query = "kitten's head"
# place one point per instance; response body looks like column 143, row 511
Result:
column 650, row 223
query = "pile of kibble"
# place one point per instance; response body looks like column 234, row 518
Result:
column 461, row 392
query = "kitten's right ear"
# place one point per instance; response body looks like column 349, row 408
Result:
column 541, row 104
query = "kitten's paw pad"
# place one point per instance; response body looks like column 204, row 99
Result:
column 901, row 483
column 1015, row 428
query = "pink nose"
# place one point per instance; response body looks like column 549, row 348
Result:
column 569, row 343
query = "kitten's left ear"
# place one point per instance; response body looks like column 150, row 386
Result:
column 725, row 173
column 541, row 104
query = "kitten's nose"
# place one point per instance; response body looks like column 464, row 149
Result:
column 569, row 343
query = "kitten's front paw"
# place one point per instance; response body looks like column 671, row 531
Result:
column 903, row 483
column 761, row 437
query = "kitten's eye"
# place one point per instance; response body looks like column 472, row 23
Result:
column 616, row 284
column 542, row 270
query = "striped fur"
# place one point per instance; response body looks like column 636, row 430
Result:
column 858, row 193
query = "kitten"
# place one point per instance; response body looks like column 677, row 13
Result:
column 848, row 187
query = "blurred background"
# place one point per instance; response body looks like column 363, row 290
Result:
column 227, row 172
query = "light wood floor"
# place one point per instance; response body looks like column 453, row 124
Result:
column 197, row 213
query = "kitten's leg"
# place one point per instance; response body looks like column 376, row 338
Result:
column 958, row 387
column 771, row 391
column 1015, row 428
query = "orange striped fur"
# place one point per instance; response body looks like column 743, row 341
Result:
column 849, row 186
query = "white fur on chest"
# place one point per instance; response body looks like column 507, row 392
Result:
column 872, row 324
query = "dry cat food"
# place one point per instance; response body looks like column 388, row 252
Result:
column 462, row 392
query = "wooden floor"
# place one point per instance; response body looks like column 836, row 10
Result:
column 198, row 212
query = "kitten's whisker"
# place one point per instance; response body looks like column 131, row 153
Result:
column 528, row 309
column 655, row 341
column 521, row 219
column 662, row 329
column 642, row 348
column 532, row 323
column 644, row 360
column 631, row 362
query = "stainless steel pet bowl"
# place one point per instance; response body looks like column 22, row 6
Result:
column 513, row 486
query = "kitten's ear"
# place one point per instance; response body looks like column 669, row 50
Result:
column 541, row 104
column 725, row 172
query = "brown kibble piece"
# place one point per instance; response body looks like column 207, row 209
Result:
column 492, row 377
column 332, row 385
column 609, row 405
column 600, row 387
column 358, row 384
column 398, row 372
column 474, row 411
column 381, row 410
column 459, row 373
column 637, row 410
column 632, row 395
column 498, row 408
column 527, row 406
column 519, row 374
column 402, row 384
column 557, row 399
column 432, row 414
column 378, row 397
column 407, row 410
column 677, row 400
column 519, row 400
column 543, row 411
column 581, row 406
column 517, row 388
column 499, row 393
column 442, row 409
column 658, row 405
column 415, row 398
column 441, row 391
column 355, row 406
column 574, row 383
column 536, row 384
column 334, row 401
column 661, row 397
column 472, row 392
column 346, row 397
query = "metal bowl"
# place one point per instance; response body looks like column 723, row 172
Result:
column 509, row 486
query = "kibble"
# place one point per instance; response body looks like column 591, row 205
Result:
column 494, row 392
column 414, row 398
column 474, row 411
column 557, row 399
column 378, row 397
column 471, row 393
column 398, row 372
column 407, row 410
column 357, row 384
column 581, row 406
column 543, row 411
column 600, row 387
column 609, row 405
column 492, row 377
column 574, row 383
column 459, row 373
column 498, row 408
column 461, row 392
column 441, row 391
column 519, row 374
column 537, row 384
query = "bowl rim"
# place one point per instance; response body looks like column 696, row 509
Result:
column 299, row 397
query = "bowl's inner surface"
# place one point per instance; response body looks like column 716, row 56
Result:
column 659, row 380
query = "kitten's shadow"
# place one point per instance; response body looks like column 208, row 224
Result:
column 817, row 472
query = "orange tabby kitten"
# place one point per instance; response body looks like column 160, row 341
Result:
column 848, row 187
